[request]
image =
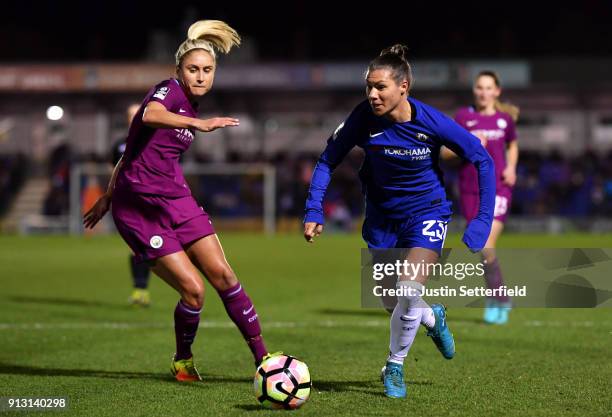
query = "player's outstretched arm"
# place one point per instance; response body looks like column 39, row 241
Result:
column 312, row 230
column 447, row 154
column 155, row 115
column 338, row 146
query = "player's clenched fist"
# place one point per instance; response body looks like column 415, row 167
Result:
column 312, row 230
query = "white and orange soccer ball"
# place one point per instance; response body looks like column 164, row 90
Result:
column 282, row 381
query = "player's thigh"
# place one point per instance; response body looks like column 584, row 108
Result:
column 417, row 259
column 207, row 255
column 420, row 258
column 425, row 238
column 180, row 273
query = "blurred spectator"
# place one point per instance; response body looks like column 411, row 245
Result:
column 547, row 184
column 13, row 169
column 57, row 200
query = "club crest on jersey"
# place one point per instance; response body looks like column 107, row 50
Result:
column 156, row 242
column 161, row 93
column 502, row 124
column 422, row 136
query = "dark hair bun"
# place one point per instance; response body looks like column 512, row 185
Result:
column 397, row 49
column 394, row 58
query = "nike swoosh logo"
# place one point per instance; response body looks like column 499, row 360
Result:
column 376, row 134
column 245, row 312
column 182, row 111
column 431, row 239
column 471, row 123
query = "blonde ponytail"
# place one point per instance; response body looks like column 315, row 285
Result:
column 210, row 35
column 506, row 107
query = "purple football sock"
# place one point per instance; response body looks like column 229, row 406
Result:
column 494, row 279
column 186, row 320
column 242, row 312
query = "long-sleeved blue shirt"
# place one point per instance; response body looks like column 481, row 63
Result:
column 400, row 175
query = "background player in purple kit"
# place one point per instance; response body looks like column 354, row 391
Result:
column 152, row 205
column 493, row 123
column 139, row 270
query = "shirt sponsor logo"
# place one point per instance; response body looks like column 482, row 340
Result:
column 489, row 134
column 184, row 135
column 415, row 154
column 156, row 242
column 161, row 93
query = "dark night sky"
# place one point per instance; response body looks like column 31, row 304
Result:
column 310, row 30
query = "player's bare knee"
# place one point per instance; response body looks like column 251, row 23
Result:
column 193, row 301
column 223, row 277
column 193, row 294
column 227, row 279
column 489, row 255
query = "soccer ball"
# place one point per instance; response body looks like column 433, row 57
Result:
column 282, row 381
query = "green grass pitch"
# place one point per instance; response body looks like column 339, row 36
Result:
column 66, row 330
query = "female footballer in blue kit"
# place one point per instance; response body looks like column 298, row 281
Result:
column 406, row 206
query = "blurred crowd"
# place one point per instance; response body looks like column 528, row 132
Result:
column 547, row 184
column 13, row 170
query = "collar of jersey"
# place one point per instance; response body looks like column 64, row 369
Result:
column 193, row 104
column 413, row 116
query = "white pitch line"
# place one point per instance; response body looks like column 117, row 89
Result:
column 543, row 323
column 204, row 324
column 268, row 325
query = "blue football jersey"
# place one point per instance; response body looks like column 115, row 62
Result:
column 400, row 175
